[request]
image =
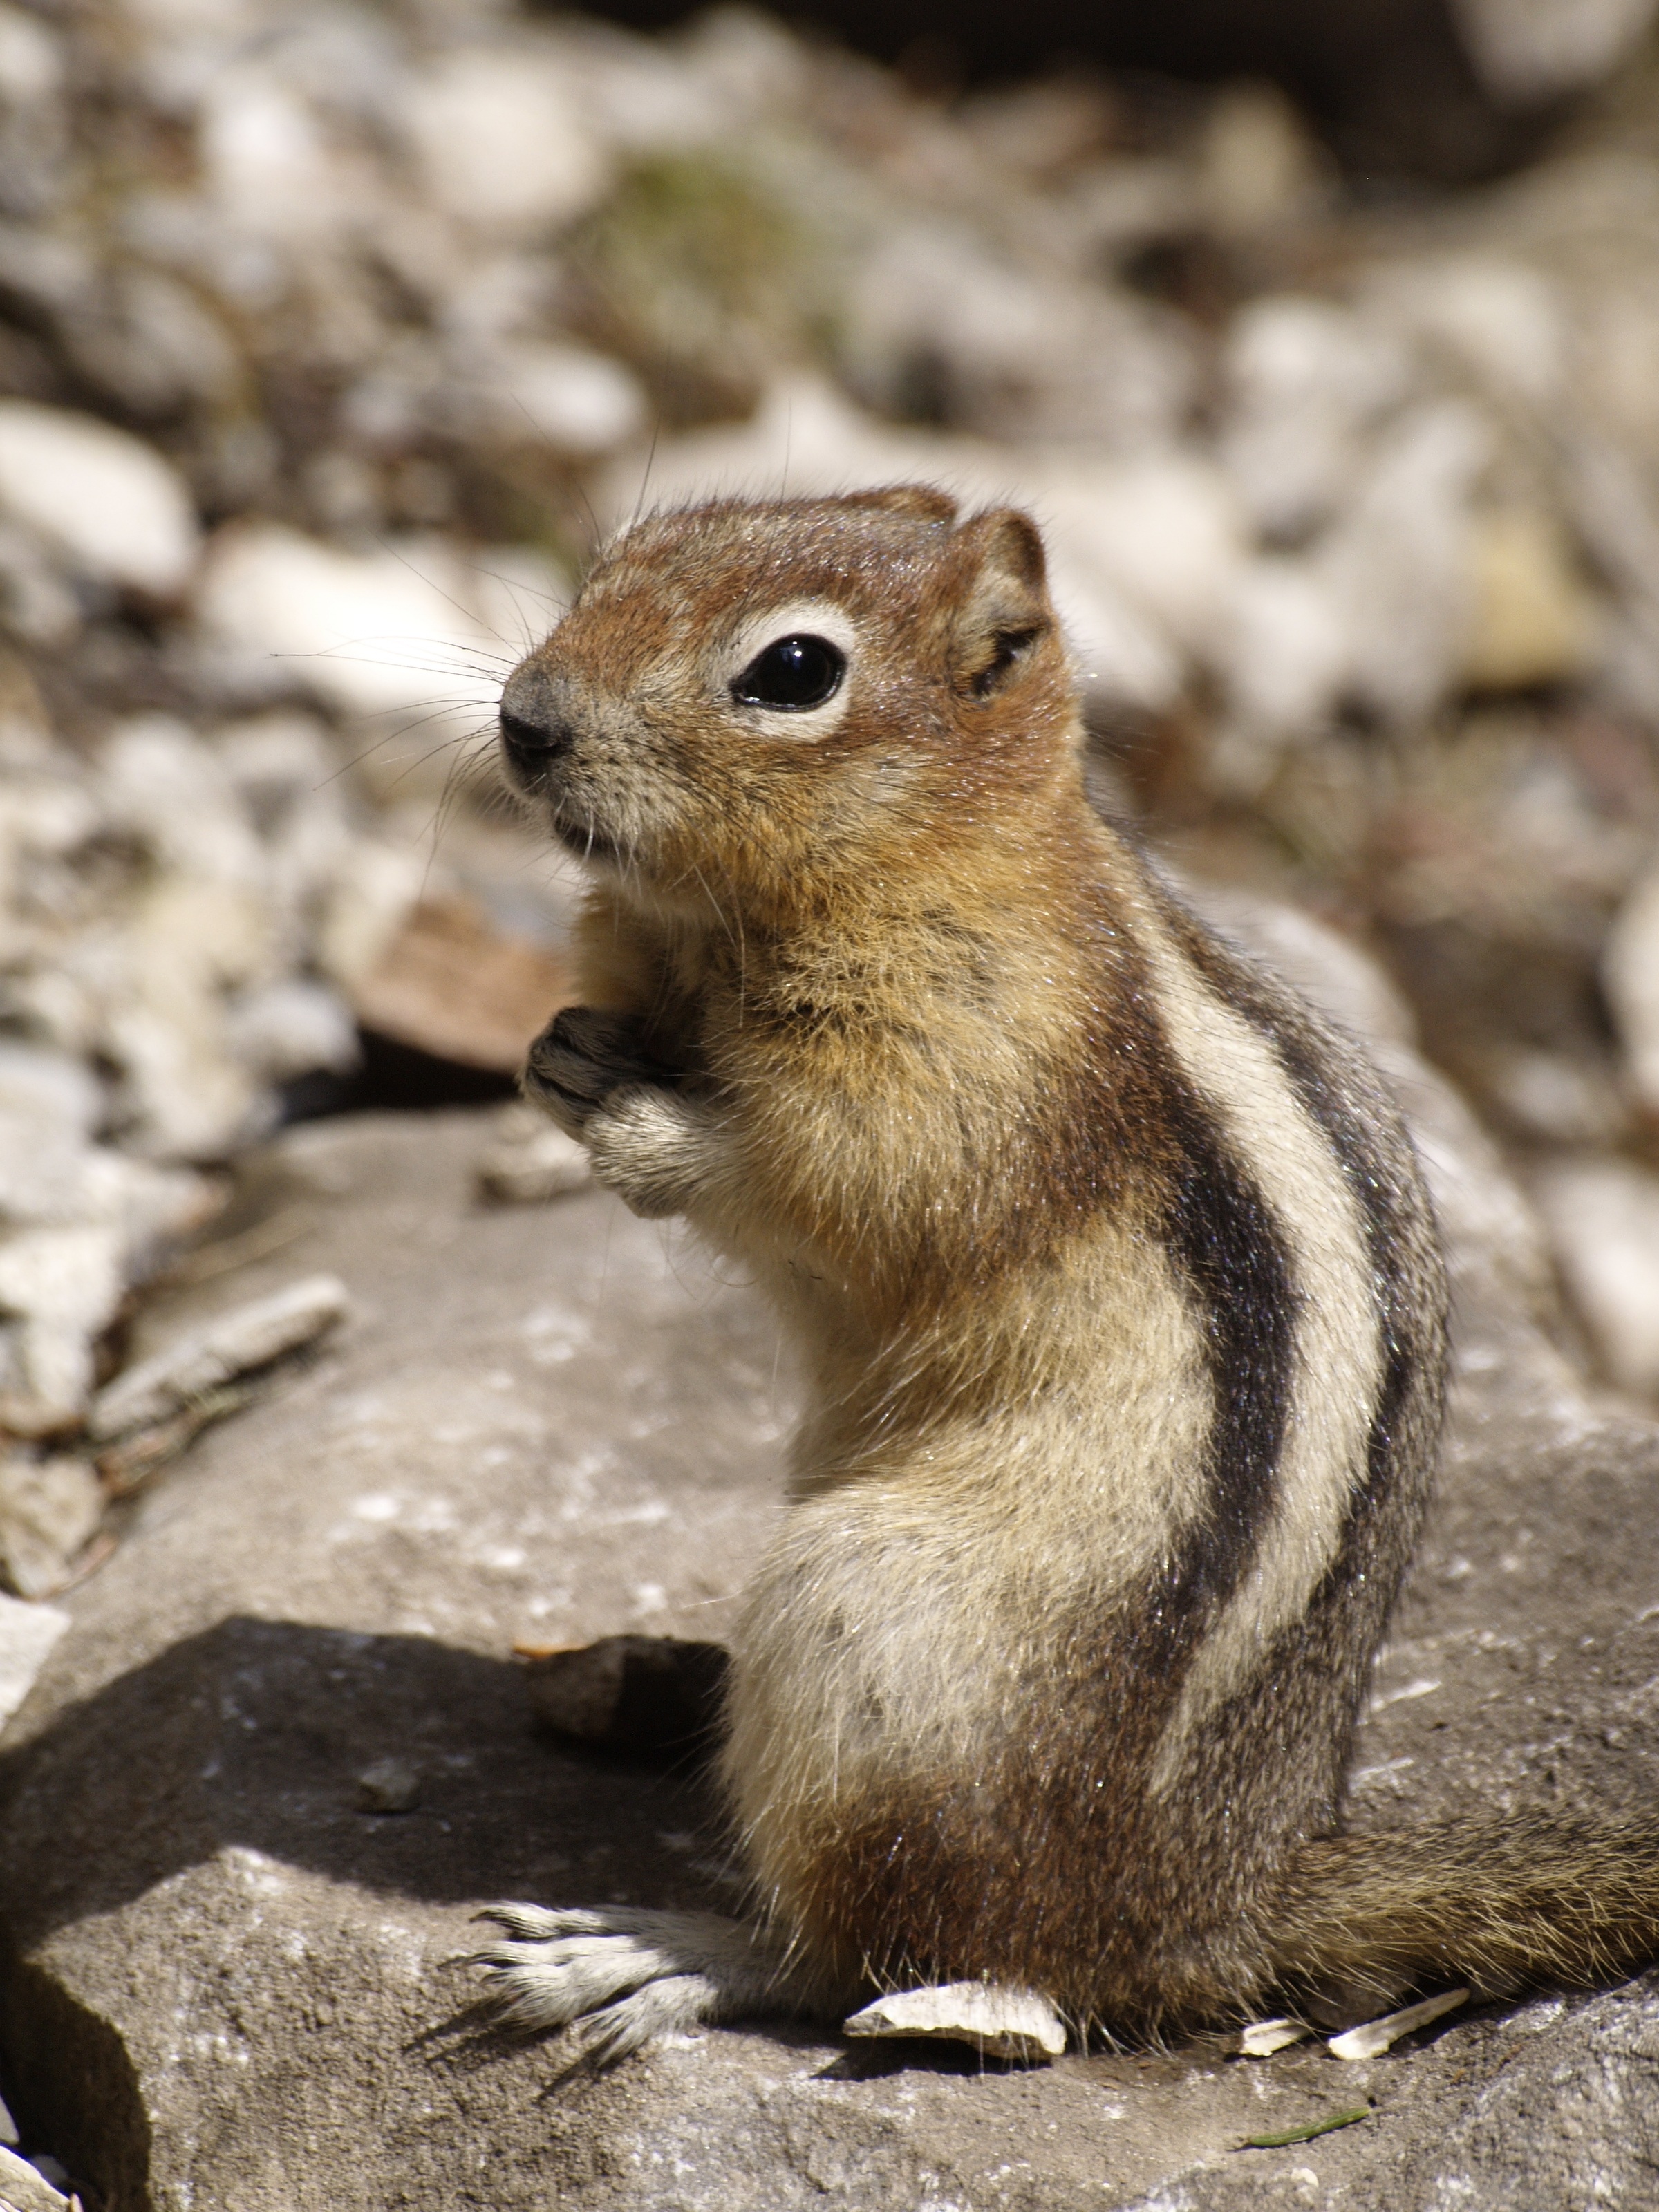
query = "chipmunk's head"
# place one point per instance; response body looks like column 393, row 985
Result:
column 752, row 697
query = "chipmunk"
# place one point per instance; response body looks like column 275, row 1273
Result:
column 1117, row 1300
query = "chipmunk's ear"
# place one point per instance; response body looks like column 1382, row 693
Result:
column 921, row 503
column 1005, row 607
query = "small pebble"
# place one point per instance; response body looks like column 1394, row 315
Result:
column 528, row 1161
column 390, row 1785
column 8, row 2128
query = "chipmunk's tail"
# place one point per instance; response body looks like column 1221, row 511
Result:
column 1536, row 1900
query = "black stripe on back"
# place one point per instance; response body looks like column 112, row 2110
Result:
column 1362, row 1128
column 1231, row 1250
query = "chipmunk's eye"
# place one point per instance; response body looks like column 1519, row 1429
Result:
column 795, row 673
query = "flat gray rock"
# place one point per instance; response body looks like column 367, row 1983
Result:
column 223, row 1982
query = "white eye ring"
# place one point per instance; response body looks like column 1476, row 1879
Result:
column 827, row 643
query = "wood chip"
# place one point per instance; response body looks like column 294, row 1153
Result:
column 1000, row 2023
column 1375, row 2036
column 1263, row 2037
column 453, row 985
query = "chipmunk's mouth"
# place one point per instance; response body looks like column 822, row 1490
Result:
column 586, row 842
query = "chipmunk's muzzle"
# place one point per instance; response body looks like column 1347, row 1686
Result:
column 536, row 733
column 541, row 729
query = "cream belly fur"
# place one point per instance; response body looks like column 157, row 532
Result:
column 1117, row 1303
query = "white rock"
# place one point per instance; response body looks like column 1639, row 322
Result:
column 1377, row 2036
column 205, row 1358
column 1305, row 382
column 528, row 1161
column 152, row 1207
column 394, row 635
column 51, row 1176
column 28, row 1633
column 274, row 759
column 642, row 98
column 389, row 1786
column 1164, row 530
column 49, row 1511
column 42, row 816
column 368, row 904
column 501, row 140
column 23, row 2187
column 31, row 60
column 1557, row 1097
column 1280, row 650
column 64, row 1286
column 290, row 1027
column 1400, row 561
column 1016, row 352
column 162, row 785
column 1500, row 319
column 39, row 600
column 1002, row 2023
column 183, row 1098
column 1603, row 1219
column 1630, row 973
column 1529, row 51
column 55, row 1092
column 112, row 505
column 188, row 941
column 1257, row 167
column 579, row 401
column 262, row 157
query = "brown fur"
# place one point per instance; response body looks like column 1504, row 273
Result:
column 1100, row 1252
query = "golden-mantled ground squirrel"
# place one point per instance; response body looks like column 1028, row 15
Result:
column 1116, row 1295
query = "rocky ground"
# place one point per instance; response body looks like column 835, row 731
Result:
column 329, row 340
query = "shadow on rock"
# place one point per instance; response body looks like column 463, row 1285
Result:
column 256, row 1733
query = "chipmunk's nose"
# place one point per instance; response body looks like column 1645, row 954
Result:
column 535, row 730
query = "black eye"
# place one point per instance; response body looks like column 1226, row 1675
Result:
column 795, row 673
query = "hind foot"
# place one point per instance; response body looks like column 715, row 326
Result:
column 618, row 1975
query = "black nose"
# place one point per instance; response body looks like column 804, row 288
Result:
column 534, row 730
column 533, row 743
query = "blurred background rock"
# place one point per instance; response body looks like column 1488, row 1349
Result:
column 1324, row 342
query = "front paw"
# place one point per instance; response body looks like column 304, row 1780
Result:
column 583, row 1055
column 658, row 1151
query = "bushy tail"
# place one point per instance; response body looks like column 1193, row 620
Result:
column 1535, row 1901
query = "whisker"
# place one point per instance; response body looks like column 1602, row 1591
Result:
column 467, row 613
column 337, row 651
column 645, row 480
